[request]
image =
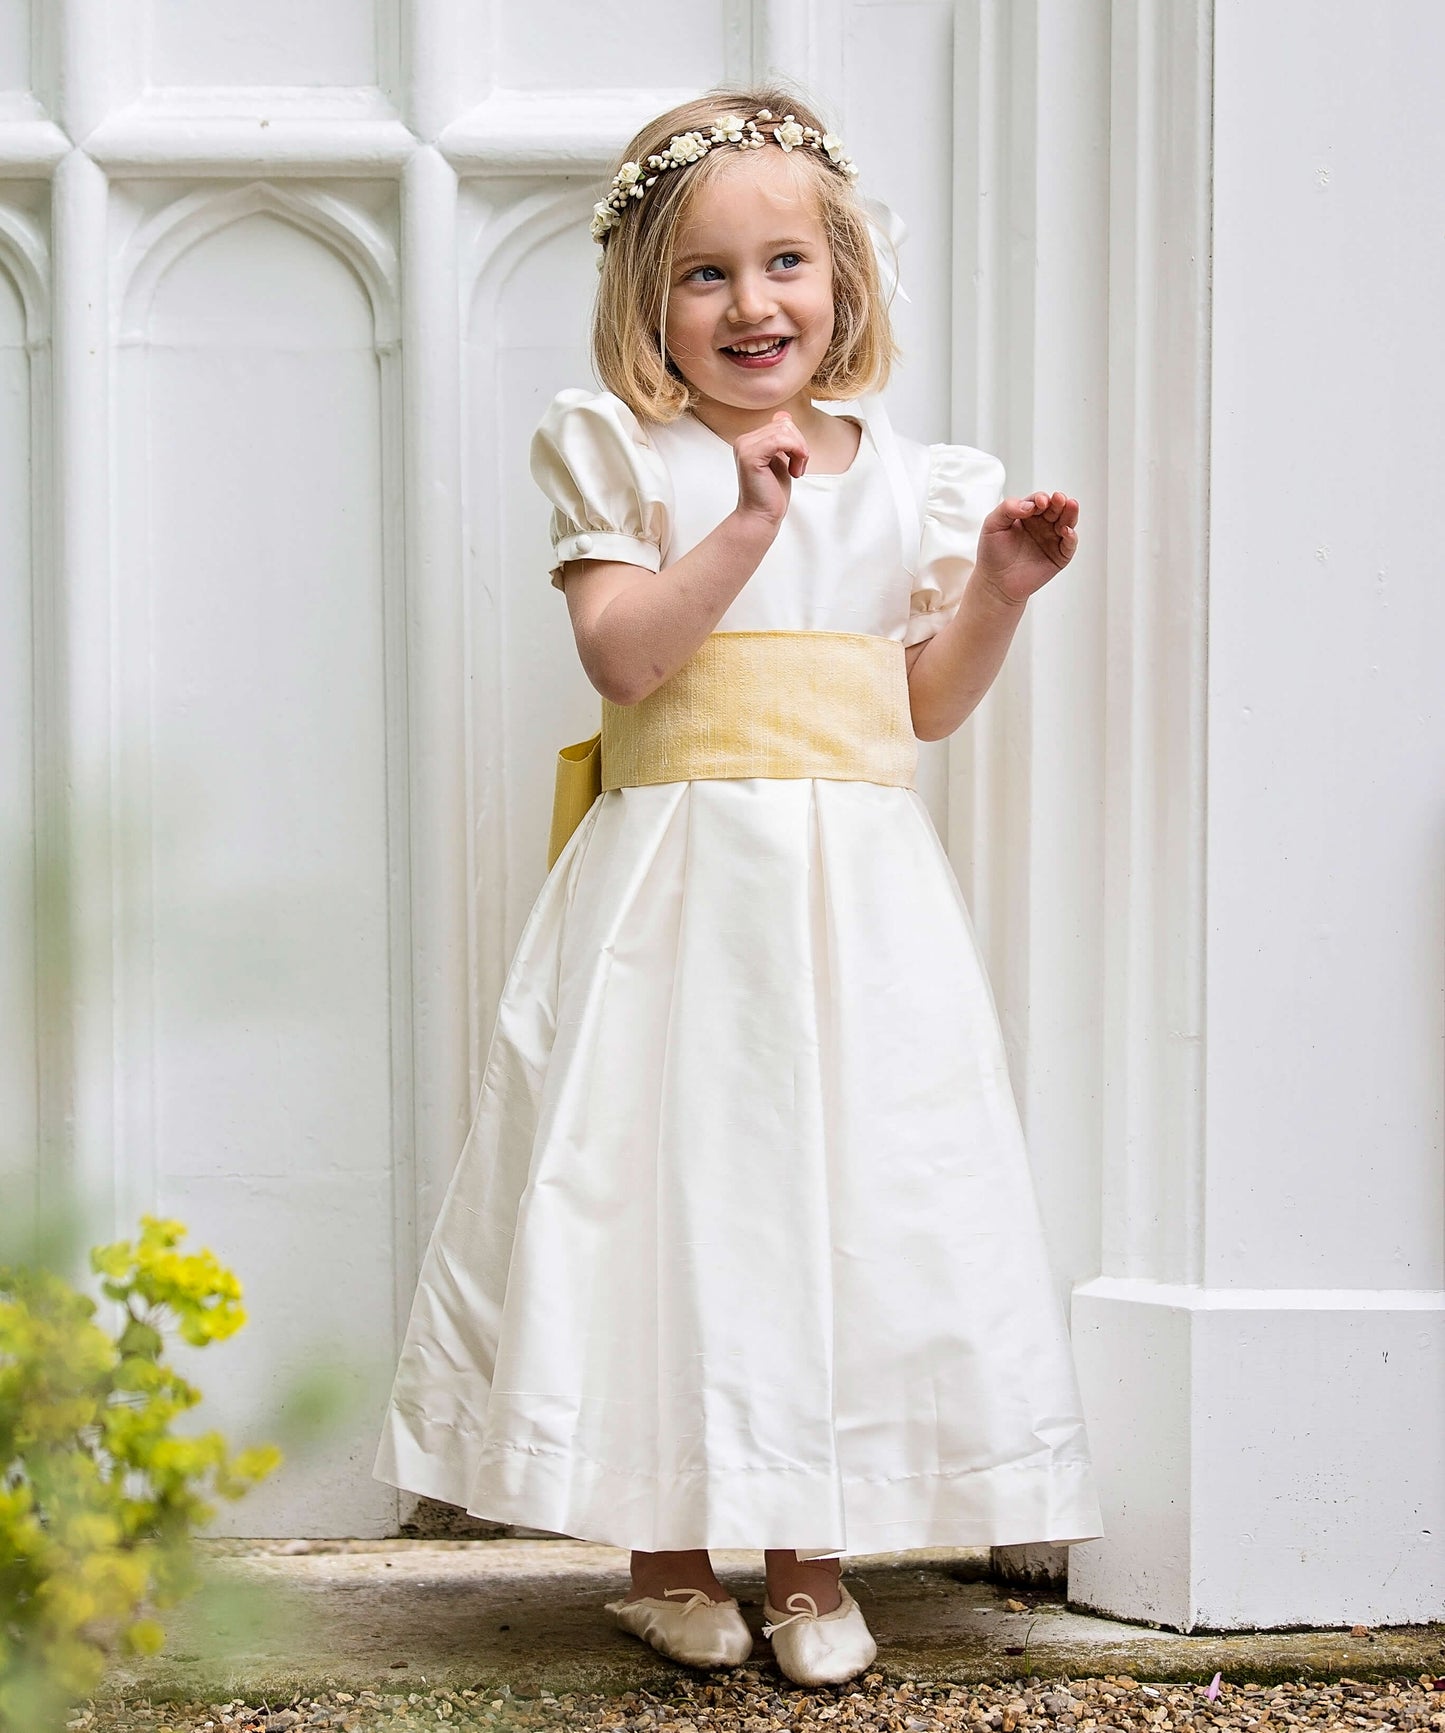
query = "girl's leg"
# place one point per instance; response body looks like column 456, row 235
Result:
column 818, row 1577
column 652, row 1572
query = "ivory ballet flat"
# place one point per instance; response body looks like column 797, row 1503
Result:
column 814, row 1648
column 701, row 1633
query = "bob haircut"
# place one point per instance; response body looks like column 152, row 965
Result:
column 630, row 313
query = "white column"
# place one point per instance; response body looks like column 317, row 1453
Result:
column 1263, row 1358
column 437, row 723
column 82, row 625
column 1030, row 349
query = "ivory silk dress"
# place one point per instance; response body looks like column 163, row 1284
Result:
column 742, row 1248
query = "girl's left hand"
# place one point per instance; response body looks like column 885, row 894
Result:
column 1026, row 541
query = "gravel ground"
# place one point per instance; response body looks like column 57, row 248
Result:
column 754, row 1700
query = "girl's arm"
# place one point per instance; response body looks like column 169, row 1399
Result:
column 636, row 628
column 1023, row 543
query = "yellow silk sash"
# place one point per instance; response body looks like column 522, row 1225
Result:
column 829, row 704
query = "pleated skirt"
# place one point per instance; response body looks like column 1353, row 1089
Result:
column 742, row 1248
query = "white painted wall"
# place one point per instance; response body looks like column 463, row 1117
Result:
column 1327, row 623
column 22, row 317
column 280, row 300
column 1265, row 1352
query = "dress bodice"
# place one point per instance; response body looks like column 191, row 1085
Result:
column 836, row 562
column 884, row 547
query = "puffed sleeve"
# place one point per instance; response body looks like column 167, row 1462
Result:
column 610, row 489
column 964, row 485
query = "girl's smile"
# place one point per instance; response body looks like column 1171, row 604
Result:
column 767, row 353
column 750, row 296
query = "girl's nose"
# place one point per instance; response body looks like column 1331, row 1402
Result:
column 751, row 302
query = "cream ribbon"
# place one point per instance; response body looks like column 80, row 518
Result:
column 888, row 231
column 802, row 1613
column 700, row 1598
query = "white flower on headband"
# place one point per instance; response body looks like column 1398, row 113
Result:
column 631, row 180
column 687, row 147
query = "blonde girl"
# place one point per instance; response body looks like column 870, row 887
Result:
column 742, row 1249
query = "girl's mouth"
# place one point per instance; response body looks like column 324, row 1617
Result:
column 766, row 358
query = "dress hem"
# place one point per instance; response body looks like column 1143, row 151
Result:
column 1034, row 1502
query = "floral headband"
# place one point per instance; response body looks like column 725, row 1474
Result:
column 632, row 180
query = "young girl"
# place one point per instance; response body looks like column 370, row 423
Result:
column 742, row 1249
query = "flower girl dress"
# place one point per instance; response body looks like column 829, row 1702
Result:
column 742, row 1248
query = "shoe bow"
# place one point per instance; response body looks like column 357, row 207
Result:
column 808, row 1612
column 700, row 1598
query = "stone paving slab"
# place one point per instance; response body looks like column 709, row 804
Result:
column 284, row 1616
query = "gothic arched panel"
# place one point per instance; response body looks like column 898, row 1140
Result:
column 530, row 271
column 19, row 1053
column 261, row 686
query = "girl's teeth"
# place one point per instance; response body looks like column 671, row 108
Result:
column 764, row 349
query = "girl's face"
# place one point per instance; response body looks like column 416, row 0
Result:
column 751, row 261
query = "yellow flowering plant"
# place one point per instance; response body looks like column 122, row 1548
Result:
column 99, row 1497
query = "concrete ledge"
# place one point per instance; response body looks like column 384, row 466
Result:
column 282, row 1616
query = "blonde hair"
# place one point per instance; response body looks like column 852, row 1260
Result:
column 629, row 314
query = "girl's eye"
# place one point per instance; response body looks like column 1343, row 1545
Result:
column 696, row 268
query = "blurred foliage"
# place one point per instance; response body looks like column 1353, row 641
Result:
column 99, row 1497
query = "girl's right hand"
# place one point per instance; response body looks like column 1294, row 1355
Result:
column 768, row 458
